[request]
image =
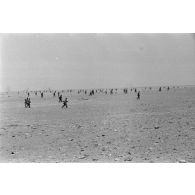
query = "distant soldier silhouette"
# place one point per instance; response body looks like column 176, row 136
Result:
column 125, row 91
column 27, row 102
column 138, row 95
column 60, row 98
column 91, row 93
column 65, row 103
column 111, row 91
column 41, row 94
column 160, row 89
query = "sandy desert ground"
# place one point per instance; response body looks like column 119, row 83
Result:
column 100, row 128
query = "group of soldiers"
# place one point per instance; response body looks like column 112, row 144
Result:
column 91, row 92
column 27, row 101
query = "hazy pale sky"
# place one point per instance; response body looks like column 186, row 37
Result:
column 61, row 61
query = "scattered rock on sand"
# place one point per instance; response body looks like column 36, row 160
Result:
column 182, row 161
column 83, row 156
column 95, row 145
column 128, row 159
column 133, row 147
column 150, row 149
column 103, row 149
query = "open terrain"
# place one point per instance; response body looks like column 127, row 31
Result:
column 101, row 128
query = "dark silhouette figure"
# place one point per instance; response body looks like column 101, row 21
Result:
column 60, row 98
column 27, row 102
column 111, row 91
column 65, row 103
column 138, row 95
column 125, row 91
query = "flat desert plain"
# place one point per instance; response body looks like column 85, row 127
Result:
column 101, row 128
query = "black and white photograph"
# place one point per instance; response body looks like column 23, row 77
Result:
column 97, row 97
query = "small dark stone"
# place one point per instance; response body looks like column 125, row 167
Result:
column 84, row 156
column 128, row 159
column 95, row 145
column 12, row 153
column 94, row 159
column 103, row 149
column 182, row 161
